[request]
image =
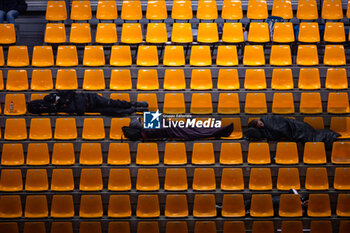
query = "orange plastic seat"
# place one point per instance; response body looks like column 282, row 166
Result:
column 321, row 227
column 81, row 10
column 119, row 180
column 42, row 56
column 62, row 180
column 147, row 180
column 283, row 103
column 2, row 63
column 201, row 103
column 90, row 154
column 31, row 227
column 336, row 78
column 90, row 180
column 147, row 154
column 176, row 206
column 286, row 153
column 233, row 205
column 316, row 179
column 106, row 10
column 55, row 33
column 255, row 103
column 11, row 180
column 258, row 32
column 201, row 79
column 309, row 79
column 292, row 226
column 310, row 103
column 261, row 205
column 156, row 10
column 94, row 80
column 228, row 79
column 200, row 56
column 203, row 153
column 280, row 55
column 290, row 206
column 343, row 204
column 227, row 56
column 332, row 9
column 10, row 206
column 88, row 227
column 282, row 79
column 36, row 207
column 288, row 178
column 147, row 56
column 314, row 153
column 131, row 33
column 62, row 206
column 116, row 128
column 237, row 127
column 120, row 80
column 341, row 125
column 182, row 32
column 344, row 226
column 175, row 179
column 17, row 56
column 15, row 104
column 338, row 103
column 228, row 103
column 307, row 10
column 106, row 33
column 148, row 227
column 234, row 226
column 307, row 55
column 232, row 179
column 282, row 9
column 131, row 10
column 207, row 32
column 283, row 32
column 334, row 55
column 309, row 32
column 334, row 32
column 253, row 55
column 120, row 56
column 182, row 10
column 17, row 80
column 205, row 226
column 63, row 154
column 40, row 129
column 174, row 103
column 8, row 34
column 340, row 152
column 255, row 79
column 203, row 179
column 260, row 179
column 9, row 227
column 151, row 99
column 315, row 122
column 41, row 80
column 204, row 205
column 207, row 10
column 80, row 33
column 232, row 10
column 66, row 79
column 232, row 33
column 175, row 154
column 174, row 79
column 65, row 129
column 263, row 226
column 156, row 33
column 319, row 205
column 94, row 56
column 174, row 56
column 93, row 129
column 231, row 153
column 120, row 96
column 15, row 129
column 119, row 206
column 119, row 154
column 147, row 206
column 257, row 9
column 91, row 206
column 258, row 153
column 36, row 180
column 67, row 56
column 341, row 178
column 147, row 80
column 56, row 10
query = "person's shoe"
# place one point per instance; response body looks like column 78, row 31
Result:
column 143, row 104
column 135, row 123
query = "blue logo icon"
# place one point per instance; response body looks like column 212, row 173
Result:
column 151, row 120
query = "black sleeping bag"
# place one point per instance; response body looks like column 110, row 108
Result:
column 280, row 128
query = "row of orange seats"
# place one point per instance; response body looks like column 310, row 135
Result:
column 324, row 226
column 175, row 179
column 307, row 55
column 131, row 33
column 176, row 205
column 206, row 10
column 174, row 79
column 174, row 154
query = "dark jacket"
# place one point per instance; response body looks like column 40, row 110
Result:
column 19, row 5
column 68, row 102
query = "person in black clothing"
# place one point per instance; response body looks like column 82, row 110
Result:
column 10, row 10
column 79, row 103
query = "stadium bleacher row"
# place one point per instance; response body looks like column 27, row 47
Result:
column 227, row 59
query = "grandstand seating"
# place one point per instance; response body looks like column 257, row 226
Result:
column 208, row 58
